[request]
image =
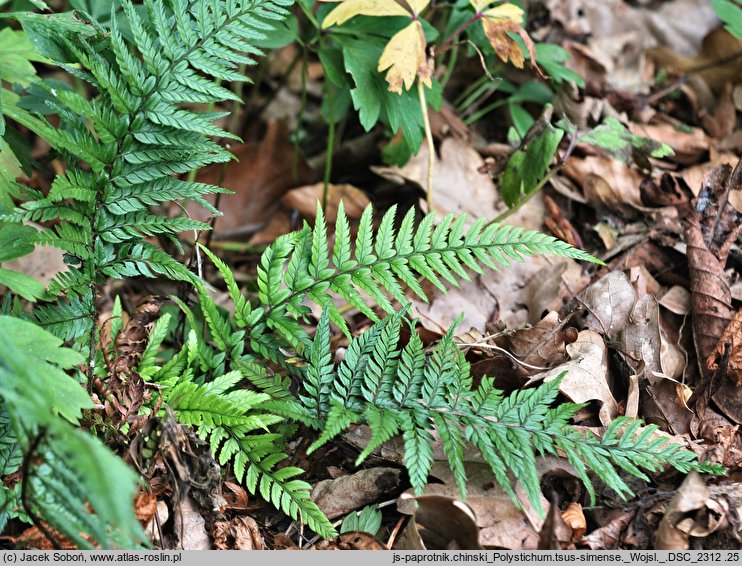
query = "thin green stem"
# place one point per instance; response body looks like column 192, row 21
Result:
column 330, row 144
column 431, row 145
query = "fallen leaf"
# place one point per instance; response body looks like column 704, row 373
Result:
column 674, row 529
column 574, row 518
column 438, row 522
column 189, row 526
column 338, row 497
column 350, row 541
column 586, row 377
column 240, row 533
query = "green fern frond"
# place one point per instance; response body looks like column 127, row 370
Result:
column 433, row 393
column 299, row 266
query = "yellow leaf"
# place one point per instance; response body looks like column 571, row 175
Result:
column 503, row 13
column 418, row 5
column 479, row 5
column 348, row 9
column 405, row 58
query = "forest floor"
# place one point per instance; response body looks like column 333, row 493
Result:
column 655, row 333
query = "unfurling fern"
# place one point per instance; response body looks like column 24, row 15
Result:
column 122, row 148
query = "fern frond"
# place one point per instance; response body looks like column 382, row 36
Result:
column 433, row 393
column 380, row 264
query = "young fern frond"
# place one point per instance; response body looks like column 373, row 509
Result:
column 123, row 147
column 418, row 394
column 299, row 266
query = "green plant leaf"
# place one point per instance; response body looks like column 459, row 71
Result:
column 613, row 137
column 730, row 13
column 528, row 166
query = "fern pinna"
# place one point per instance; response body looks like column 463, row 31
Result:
column 123, row 147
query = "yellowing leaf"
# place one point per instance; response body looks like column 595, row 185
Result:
column 479, row 5
column 405, row 58
column 504, row 13
column 348, row 9
column 498, row 22
column 418, row 5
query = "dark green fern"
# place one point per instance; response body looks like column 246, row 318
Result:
column 123, row 146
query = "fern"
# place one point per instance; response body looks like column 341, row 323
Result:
column 123, row 146
column 414, row 394
column 238, row 427
column 299, row 266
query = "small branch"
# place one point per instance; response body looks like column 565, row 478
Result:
column 431, row 145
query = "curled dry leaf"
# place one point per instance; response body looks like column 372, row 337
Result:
column 241, row 533
column 729, row 351
column 686, row 509
column 340, row 496
column 555, row 534
column 711, row 228
column 574, row 518
column 438, row 522
column 498, row 23
column 608, row 536
column 540, row 346
column 586, row 376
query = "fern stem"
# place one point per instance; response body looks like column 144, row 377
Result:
column 431, row 145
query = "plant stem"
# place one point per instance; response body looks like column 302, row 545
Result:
column 541, row 184
column 330, row 144
column 431, row 145
column 447, row 42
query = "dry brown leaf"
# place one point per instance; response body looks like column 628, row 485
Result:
column 241, row 533
column 587, row 374
column 340, row 496
column 438, row 522
column 555, row 534
column 689, row 147
column 540, row 346
column 458, row 186
column 304, row 199
column 677, row 300
column 674, row 529
column 608, row 536
column 350, row 541
column 607, row 182
column 729, row 350
column 189, row 526
column 710, row 230
column 259, row 179
column 574, row 518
